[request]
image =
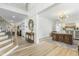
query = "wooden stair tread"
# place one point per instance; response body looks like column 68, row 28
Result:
column 7, row 43
column 7, row 49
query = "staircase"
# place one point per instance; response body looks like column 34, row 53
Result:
column 6, row 44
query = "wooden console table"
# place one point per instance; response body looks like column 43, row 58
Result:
column 66, row 38
column 30, row 37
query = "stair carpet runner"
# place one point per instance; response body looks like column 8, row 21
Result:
column 6, row 44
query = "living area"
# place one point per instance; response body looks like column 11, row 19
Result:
column 51, row 30
column 60, row 25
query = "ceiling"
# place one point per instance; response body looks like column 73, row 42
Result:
column 69, row 9
column 11, row 16
column 53, row 12
column 22, row 6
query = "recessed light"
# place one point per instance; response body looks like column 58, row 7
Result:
column 13, row 16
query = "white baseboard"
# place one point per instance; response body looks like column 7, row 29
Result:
column 44, row 37
column 10, row 51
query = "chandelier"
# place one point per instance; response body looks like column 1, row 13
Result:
column 62, row 17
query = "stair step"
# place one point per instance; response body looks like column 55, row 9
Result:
column 4, row 43
column 2, row 33
column 6, row 49
column 4, row 37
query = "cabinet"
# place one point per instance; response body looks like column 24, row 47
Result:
column 30, row 37
column 66, row 38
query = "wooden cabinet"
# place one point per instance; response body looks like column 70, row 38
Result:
column 66, row 38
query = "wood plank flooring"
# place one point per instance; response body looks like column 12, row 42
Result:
column 45, row 49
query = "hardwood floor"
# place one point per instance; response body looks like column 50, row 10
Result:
column 22, row 43
column 45, row 49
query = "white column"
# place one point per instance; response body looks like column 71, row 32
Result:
column 37, row 38
column 35, row 19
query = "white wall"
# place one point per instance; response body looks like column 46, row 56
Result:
column 44, row 27
column 72, row 19
column 34, row 9
column 24, row 27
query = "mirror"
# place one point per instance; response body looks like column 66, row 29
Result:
column 31, row 25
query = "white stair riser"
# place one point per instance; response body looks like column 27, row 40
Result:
column 4, row 37
column 6, row 45
column 2, row 33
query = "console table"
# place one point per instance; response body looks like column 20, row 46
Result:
column 30, row 37
column 66, row 38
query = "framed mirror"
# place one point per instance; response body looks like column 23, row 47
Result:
column 31, row 24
